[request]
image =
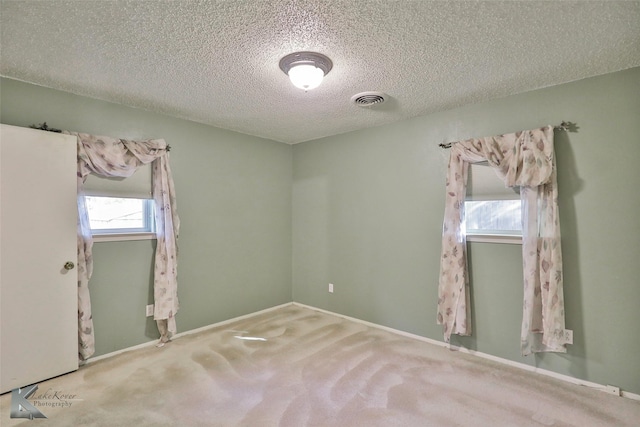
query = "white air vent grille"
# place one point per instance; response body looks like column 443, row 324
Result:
column 368, row 99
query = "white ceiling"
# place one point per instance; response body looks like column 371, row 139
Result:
column 217, row 62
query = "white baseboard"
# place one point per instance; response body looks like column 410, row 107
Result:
column 182, row 334
column 519, row 365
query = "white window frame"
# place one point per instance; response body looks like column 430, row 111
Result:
column 489, row 236
column 125, row 234
column 512, row 239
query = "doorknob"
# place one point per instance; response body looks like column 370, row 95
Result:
column 69, row 265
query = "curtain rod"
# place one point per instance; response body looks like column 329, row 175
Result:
column 43, row 126
column 564, row 127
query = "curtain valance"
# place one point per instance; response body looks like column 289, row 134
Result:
column 113, row 157
column 525, row 159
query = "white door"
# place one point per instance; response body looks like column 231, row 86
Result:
column 38, row 219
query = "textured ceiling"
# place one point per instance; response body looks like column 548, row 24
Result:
column 217, row 62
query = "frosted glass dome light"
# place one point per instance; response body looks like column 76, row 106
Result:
column 306, row 77
column 306, row 69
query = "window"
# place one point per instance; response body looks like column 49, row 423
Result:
column 111, row 216
column 498, row 217
column 493, row 212
column 121, row 208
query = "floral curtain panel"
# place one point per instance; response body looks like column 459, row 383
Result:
column 525, row 159
column 120, row 158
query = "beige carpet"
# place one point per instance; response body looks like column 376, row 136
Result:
column 306, row 368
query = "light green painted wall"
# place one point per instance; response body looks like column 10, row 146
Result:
column 234, row 201
column 367, row 216
column 367, row 213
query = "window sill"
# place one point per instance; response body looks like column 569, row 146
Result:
column 495, row 238
column 121, row 237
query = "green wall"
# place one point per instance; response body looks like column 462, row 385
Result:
column 234, row 201
column 367, row 217
column 262, row 221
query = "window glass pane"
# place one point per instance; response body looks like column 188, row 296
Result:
column 120, row 215
column 493, row 217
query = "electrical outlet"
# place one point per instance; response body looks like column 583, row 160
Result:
column 150, row 310
column 613, row 390
column 331, row 287
column 568, row 336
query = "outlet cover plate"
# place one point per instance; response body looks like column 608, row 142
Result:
column 568, row 336
column 613, row 390
column 149, row 310
column 331, row 287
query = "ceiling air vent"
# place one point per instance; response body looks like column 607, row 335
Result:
column 368, row 99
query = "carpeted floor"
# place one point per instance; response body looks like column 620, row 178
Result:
column 298, row 367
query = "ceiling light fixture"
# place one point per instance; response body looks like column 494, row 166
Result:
column 306, row 69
